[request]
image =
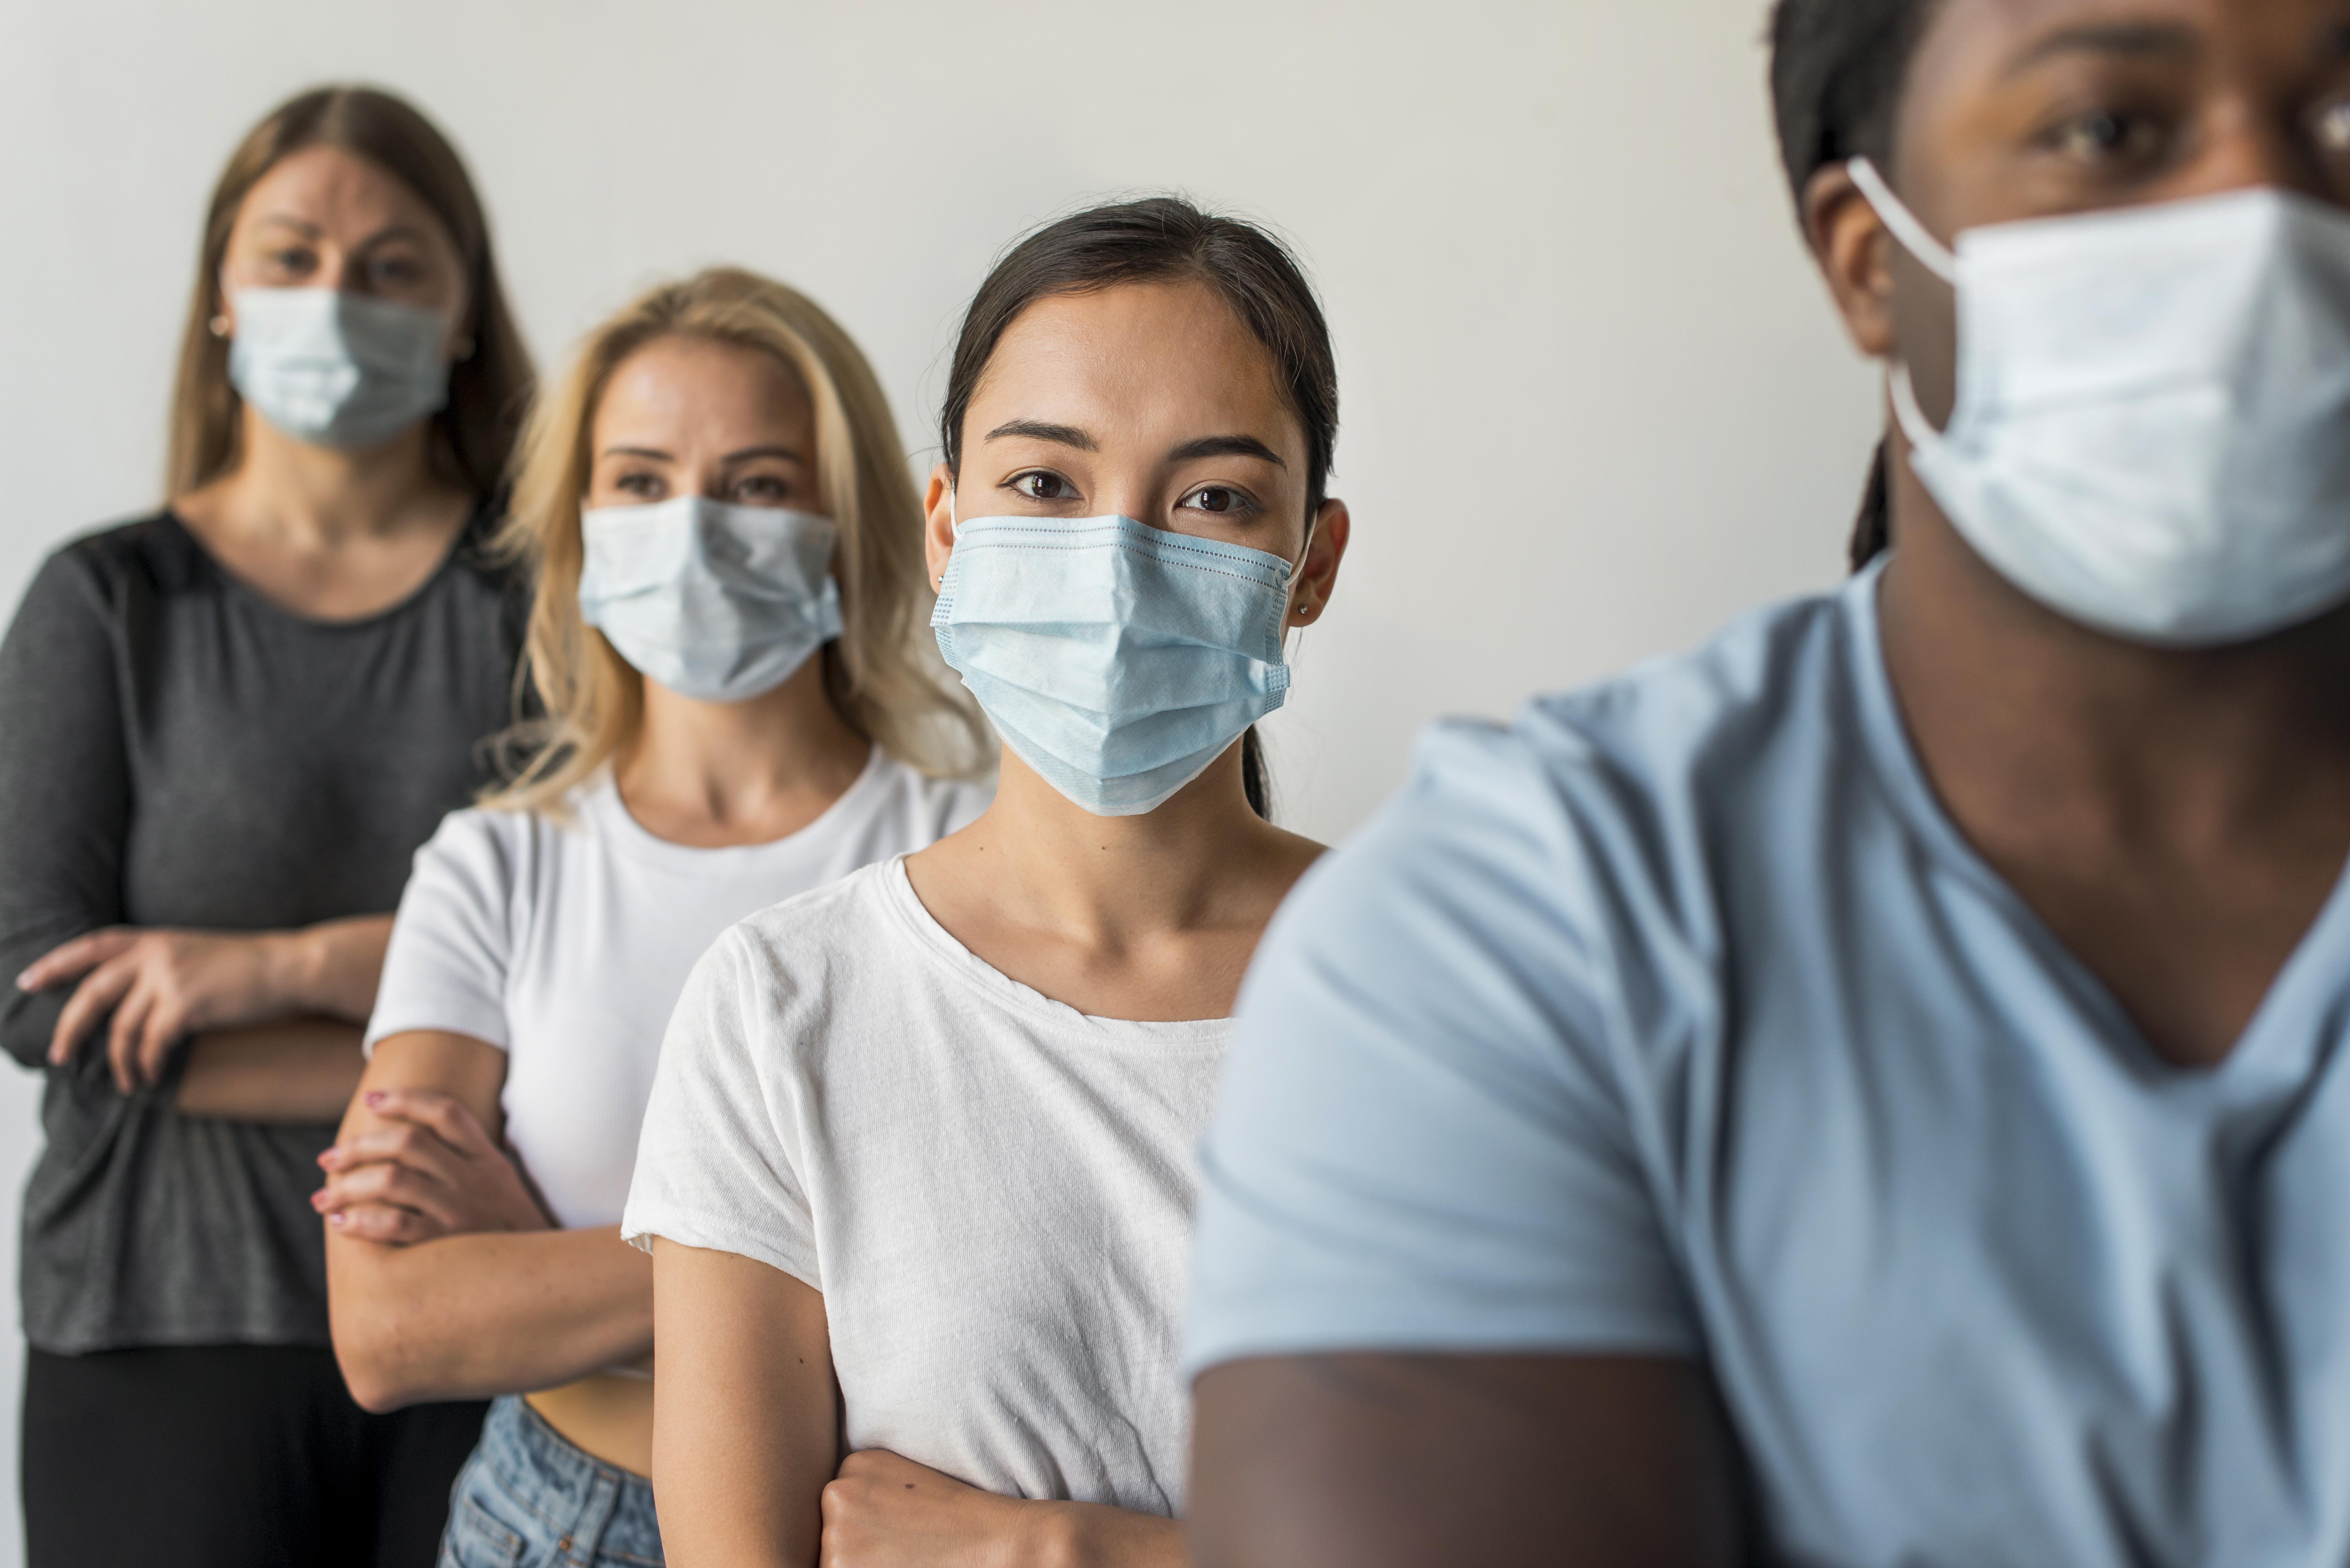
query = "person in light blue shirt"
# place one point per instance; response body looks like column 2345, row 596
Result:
column 1872, row 1091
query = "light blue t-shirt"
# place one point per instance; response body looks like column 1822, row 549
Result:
column 1677, row 1018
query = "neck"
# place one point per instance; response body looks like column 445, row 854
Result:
column 1101, row 881
column 290, row 488
column 2032, row 726
column 728, row 766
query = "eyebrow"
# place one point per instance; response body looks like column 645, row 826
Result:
column 1226, row 446
column 745, row 455
column 2141, row 40
column 309, row 229
column 1189, row 452
column 1039, row 430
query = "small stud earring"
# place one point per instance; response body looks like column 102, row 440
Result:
column 219, row 325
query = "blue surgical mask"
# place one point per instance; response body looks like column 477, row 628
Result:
column 718, row 603
column 337, row 370
column 1117, row 660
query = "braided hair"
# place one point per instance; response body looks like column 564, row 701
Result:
column 1837, row 70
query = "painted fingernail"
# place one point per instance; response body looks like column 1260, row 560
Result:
column 334, row 1220
column 375, row 1096
column 24, row 981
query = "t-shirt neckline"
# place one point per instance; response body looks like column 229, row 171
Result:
column 602, row 808
column 252, row 595
column 2274, row 1052
column 940, row 945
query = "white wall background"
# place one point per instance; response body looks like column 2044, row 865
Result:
column 1594, row 403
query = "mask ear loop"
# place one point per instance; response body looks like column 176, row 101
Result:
column 953, row 528
column 1289, row 649
column 1914, row 236
column 1937, row 258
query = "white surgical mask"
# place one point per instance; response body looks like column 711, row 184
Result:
column 718, row 603
column 1117, row 660
column 2152, row 430
column 337, row 370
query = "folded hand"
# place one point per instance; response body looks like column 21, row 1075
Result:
column 425, row 1169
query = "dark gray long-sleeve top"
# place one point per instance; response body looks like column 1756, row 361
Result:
column 177, row 751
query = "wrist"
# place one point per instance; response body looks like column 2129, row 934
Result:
column 293, row 966
column 1054, row 1535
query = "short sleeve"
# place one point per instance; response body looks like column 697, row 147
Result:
column 454, row 936
column 65, row 785
column 718, row 1161
column 1423, row 1142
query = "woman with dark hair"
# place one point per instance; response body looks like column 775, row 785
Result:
column 928, row 1131
column 229, row 726
column 1875, row 1090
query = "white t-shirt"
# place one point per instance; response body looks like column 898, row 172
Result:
column 565, row 945
column 994, row 1191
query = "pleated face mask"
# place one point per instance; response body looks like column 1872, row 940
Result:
column 337, row 370
column 1115, row 658
column 718, row 603
column 2152, row 430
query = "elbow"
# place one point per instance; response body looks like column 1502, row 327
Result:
column 381, row 1374
column 371, row 1373
column 376, row 1396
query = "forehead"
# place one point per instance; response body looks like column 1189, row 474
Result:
column 680, row 380
column 1138, row 357
column 333, row 188
column 1994, row 34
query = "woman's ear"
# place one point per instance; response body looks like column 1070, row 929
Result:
column 1309, row 594
column 1853, row 248
column 938, row 522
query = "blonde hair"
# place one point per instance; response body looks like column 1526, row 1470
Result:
column 473, row 434
column 883, row 674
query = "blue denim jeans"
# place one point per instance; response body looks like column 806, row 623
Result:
column 529, row 1500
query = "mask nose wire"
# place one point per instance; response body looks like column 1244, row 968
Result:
column 1914, row 236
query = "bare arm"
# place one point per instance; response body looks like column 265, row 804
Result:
column 510, row 1306
column 299, row 1070
column 1475, row 1461
column 744, row 1413
column 270, row 1018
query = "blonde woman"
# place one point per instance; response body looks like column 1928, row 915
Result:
column 727, row 638
column 224, row 729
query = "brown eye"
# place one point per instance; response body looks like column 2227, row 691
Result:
column 2104, row 135
column 1038, row 485
column 394, row 272
column 1219, row 500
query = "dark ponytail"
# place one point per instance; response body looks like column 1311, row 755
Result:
column 1160, row 239
column 1872, row 531
column 1837, row 70
column 1254, row 783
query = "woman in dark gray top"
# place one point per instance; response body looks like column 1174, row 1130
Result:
column 227, row 728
